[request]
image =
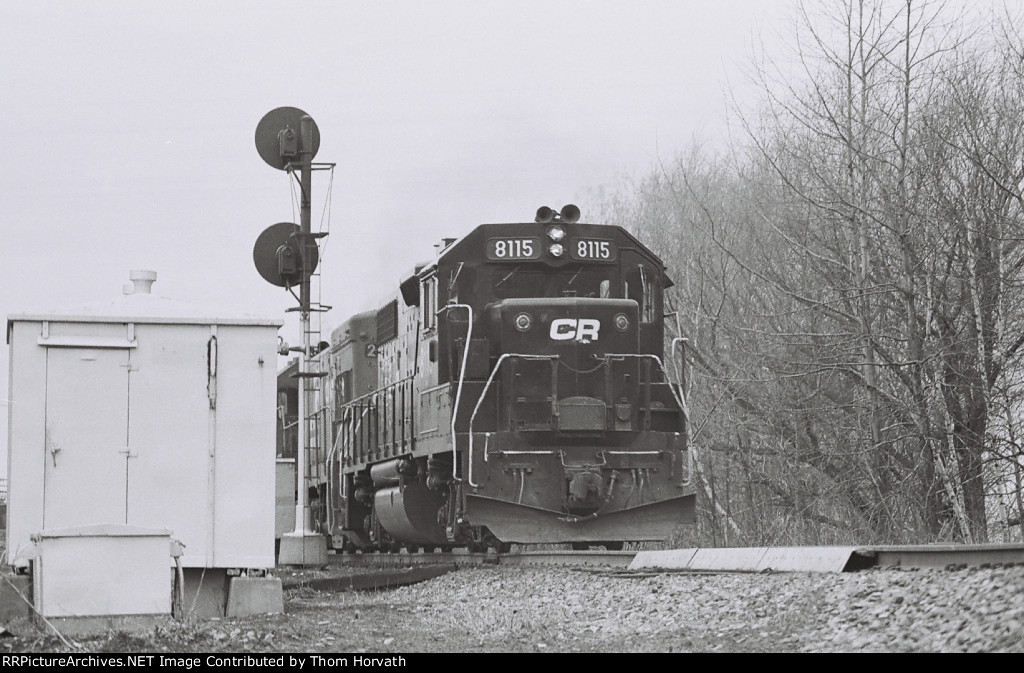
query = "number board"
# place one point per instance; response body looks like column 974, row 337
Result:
column 593, row 249
column 513, row 248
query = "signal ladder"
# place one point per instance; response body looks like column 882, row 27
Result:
column 317, row 406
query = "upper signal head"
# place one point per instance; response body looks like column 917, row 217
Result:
column 278, row 137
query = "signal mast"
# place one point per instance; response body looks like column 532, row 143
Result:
column 286, row 255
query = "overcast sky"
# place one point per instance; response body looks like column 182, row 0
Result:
column 128, row 130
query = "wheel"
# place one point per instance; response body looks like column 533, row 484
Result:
column 502, row 547
column 412, row 548
column 613, row 546
column 580, row 546
column 429, row 549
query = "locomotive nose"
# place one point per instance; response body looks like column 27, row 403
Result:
column 567, row 377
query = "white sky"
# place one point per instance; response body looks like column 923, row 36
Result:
column 129, row 130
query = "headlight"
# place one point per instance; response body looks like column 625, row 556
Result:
column 621, row 322
column 523, row 321
column 556, row 250
column 556, row 233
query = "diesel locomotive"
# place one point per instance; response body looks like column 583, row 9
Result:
column 514, row 389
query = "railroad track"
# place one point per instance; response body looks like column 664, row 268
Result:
column 460, row 557
column 381, row 570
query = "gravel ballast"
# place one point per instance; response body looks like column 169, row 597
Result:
column 977, row 610
column 517, row 609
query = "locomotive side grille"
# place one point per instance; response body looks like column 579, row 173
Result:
column 387, row 322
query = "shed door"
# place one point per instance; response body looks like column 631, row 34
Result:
column 169, row 469
column 86, row 437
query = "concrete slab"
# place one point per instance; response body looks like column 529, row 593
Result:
column 740, row 559
column 669, row 558
column 750, row 559
column 249, row 596
column 807, row 559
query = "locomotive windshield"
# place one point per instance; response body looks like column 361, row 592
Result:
column 572, row 281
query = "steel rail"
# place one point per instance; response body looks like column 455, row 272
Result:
column 724, row 560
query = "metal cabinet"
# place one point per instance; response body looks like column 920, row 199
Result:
column 145, row 412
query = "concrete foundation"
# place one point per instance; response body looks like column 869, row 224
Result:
column 303, row 549
column 205, row 592
column 249, row 596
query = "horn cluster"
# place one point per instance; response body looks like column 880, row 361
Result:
column 569, row 213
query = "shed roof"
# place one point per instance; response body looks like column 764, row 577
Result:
column 140, row 305
column 147, row 308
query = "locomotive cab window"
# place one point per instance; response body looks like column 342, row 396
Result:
column 643, row 288
column 428, row 303
column 453, row 286
column 647, row 289
column 343, row 388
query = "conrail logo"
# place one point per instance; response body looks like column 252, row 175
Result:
column 583, row 330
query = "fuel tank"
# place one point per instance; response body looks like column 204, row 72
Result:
column 410, row 513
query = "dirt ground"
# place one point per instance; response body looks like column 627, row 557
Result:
column 321, row 618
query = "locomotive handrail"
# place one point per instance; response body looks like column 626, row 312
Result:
column 497, row 366
column 330, row 485
column 679, row 397
column 365, row 404
column 356, row 400
column 462, row 378
column 682, row 368
column 349, row 427
column 487, row 385
column 675, row 395
column 686, row 411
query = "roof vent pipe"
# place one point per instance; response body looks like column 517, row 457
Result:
column 142, row 282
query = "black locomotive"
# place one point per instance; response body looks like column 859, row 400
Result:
column 513, row 390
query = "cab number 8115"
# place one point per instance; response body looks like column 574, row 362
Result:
column 593, row 249
column 513, row 248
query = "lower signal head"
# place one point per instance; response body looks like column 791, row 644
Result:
column 278, row 255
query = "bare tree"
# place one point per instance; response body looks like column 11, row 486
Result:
column 848, row 282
